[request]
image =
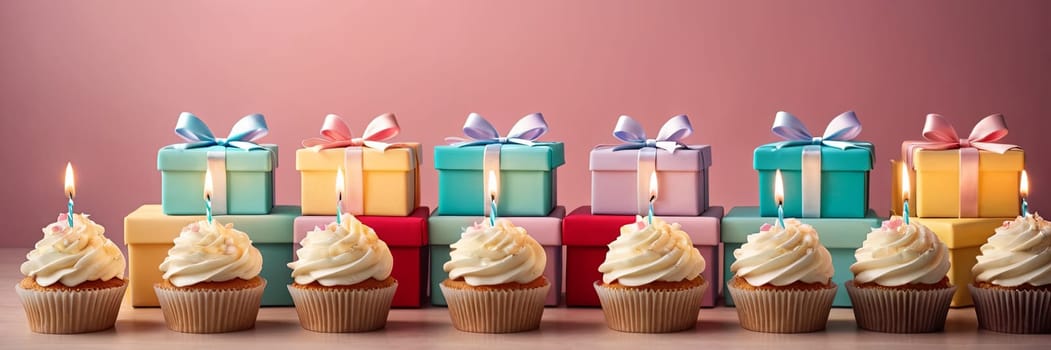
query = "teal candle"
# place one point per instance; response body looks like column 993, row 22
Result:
column 208, row 194
column 70, row 192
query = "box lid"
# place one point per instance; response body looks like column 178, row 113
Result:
column 964, row 232
column 397, row 158
column 149, row 225
column 768, row 157
column 931, row 160
column 542, row 156
column 581, row 228
column 196, row 159
column 833, row 232
column 695, row 158
column 546, row 230
column 396, row 231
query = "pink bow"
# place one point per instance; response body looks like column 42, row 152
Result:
column 335, row 133
column 942, row 136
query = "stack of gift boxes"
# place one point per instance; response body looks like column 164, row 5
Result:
column 960, row 188
column 826, row 185
column 380, row 185
column 242, row 194
column 515, row 171
column 625, row 178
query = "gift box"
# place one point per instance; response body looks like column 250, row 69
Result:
column 546, row 230
column 587, row 237
column 619, row 187
column 242, row 171
column 388, row 183
column 842, row 236
column 149, row 234
column 407, row 239
column 964, row 238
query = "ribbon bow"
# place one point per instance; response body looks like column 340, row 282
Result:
column 335, row 133
column 480, row 132
column 197, row 134
column 669, row 138
column 942, row 136
column 839, row 133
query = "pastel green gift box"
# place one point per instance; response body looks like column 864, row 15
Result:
column 527, row 179
column 842, row 236
column 844, row 188
column 249, row 179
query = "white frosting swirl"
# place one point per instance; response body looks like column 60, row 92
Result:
column 1018, row 253
column 782, row 256
column 897, row 254
column 74, row 255
column 487, row 255
column 211, row 252
column 340, row 255
column 647, row 253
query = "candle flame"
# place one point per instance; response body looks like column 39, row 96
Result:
column 494, row 187
column 779, row 188
column 71, row 189
column 1024, row 185
column 653, row 186
column 339, row 183
column 906, row 183
column 208, row 184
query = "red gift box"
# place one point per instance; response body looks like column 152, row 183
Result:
column 586, row 237
column 407, row 238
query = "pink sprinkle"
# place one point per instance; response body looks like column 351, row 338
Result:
column 194, row 227
column 56, row 228
column 63, row 217
column 765, row 227
column 892, row 224
column 1007, row 223
column 640, row 225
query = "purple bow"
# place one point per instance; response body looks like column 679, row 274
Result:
column 480, row 132
column 669, row 138
column 839, row 132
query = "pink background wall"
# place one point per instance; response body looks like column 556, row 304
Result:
column 101, row 83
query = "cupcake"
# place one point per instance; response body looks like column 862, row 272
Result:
column 211, row 280
column 496, row 282
column 1012, row 280
column 900, row 283
column 74, row 279
column 783, row 280
column 342, row 278
column 651, row 279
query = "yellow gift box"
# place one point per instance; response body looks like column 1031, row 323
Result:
column 390, row 180
column 935, row 189
column 964, row 237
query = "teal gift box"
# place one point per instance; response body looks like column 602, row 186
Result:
column 843, row 189
column 842, row 236
column 249, row 179
column 527, row 179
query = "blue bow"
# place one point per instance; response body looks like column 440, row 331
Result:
column 840, row 132
column 197, row 134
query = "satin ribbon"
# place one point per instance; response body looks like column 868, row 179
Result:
column 669, row 138
column 336, row 133
column 480, row 132
column 941, row 135
column 242, row 136
column 839, row 133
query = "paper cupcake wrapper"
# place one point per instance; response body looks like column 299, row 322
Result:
column 650, row 311
column 783, row 311
column 343, row 310
column 1012, row 311
column 69, row 311
column 900, row 310
column 191, row 310
column 496, row 311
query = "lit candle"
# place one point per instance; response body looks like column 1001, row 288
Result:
column 493, row 190
column 208, row 194
column 339, row 196
column 779, row 196
column 906, row 185
column 71, row 191
column 653, row 194
column 1023, row 188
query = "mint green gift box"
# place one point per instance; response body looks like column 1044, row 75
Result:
column 249, row 179
column 527, row 179
column 842, row 236
column 844, row 189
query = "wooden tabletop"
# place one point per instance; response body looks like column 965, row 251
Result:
column 429, row 328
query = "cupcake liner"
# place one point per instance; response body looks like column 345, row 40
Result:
column 783, row 311
column 496, row 311
column 343, row 310
column 71, row 311
column 900, row 310
column 637, row 310
column 190, row 310
column 1012, row 311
